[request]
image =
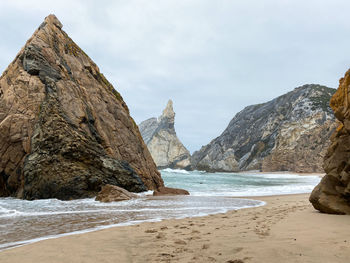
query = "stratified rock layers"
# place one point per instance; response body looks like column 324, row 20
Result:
column 64, row 130
column 289, row 133
column 160, row 137
column 332, row 194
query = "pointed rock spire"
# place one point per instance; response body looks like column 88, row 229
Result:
column 53, row 20
column 168, row 112
column 162, row 141
column 64, row 130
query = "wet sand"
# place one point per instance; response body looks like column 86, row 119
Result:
column 287, row 229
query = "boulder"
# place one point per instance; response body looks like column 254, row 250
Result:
column 112, row 193
column 169, row 191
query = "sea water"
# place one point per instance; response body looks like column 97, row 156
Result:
column 239, row 184
column 23, row 222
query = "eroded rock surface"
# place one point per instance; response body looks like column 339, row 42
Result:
column 332, row 194
column 112, row 193
column 289, row 133
column 64, row 130
column 169, row 191
column 160, row 136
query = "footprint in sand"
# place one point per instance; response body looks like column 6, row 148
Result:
column 151, row 231
column 160, row 236
column 205, row 246
column 166, row 255
column 237, row 249
column 180, row 242
column 193, row 238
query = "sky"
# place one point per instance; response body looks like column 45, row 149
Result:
column 212, row 58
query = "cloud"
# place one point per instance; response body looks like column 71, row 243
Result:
column 212, row 58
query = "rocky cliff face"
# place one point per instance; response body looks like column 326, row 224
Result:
column 289, row 133
column 64, row 130
column 160, row 137
column 332, row 194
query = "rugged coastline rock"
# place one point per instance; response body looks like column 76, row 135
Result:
column 332, row 194
column 160, row 136
column 64, row 130
column 289, row 133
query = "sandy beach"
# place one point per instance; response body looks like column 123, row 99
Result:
column 286, row 229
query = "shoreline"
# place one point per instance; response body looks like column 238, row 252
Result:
column 17, row 244
column 48, row 236
column 286, row 229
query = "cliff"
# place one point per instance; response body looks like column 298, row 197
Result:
column 64, row 130
column 160, row 137
column 288, row 133
column 332, row 194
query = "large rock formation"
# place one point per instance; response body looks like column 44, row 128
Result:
column 332, row 194
column 160, row 137
column 64, row 130
column 289, row 133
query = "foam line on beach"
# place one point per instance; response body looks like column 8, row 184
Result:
column 12, row 245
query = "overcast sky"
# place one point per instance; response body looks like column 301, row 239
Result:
column 211, row 57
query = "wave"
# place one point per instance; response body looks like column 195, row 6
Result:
column 178, row 171
column 279, row 175
column 30, row 221
column 35, row 219
column 9, row 245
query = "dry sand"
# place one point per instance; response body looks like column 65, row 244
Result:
column 287, row 229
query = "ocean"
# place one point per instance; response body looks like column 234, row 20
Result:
column 23, row 222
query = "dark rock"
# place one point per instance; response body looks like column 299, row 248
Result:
column 36, row 64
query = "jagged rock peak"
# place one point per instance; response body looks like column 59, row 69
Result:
column 64, row 130
column 52, row 19
column 332, row 194
column 288, row 133
column 162, row 141
column 168, row 112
